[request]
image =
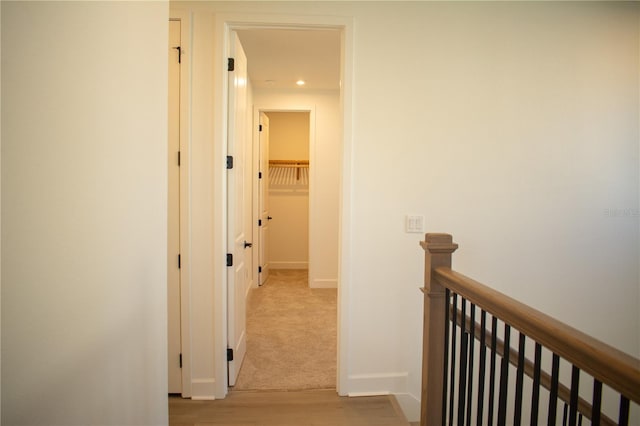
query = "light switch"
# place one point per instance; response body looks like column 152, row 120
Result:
column 414, row 224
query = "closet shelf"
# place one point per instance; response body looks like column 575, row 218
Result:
column 287, row 173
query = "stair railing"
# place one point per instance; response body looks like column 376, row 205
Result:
column 473, row 374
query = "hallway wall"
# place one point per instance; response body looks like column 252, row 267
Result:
column 84, row 202
column 513, row 126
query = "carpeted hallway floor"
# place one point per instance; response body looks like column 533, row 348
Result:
column 291, row 335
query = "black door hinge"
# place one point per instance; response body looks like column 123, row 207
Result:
column 178, row 158
column 260, row 128
column 259, row 269
column 229, row 354
column 179, row 261
column 180, row 360
column 229, row 259
column 179, row 49
column 259, row 222
column 259, row 175
column 231, row 64
column 229, row 162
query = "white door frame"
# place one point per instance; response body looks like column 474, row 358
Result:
column 224, row 23
column 312, row 147
column 185, row 201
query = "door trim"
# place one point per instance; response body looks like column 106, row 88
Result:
column 312, row 176
column 185, row 202
column 224, row 23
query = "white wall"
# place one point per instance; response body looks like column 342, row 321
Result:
column 517, row 124
column 0, row 219
column 513, row 126
column 288, row 135
column 84, row 187
column 324, row 171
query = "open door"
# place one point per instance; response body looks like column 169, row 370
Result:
column 173, row 215
column 238, row 273
column 263, row 199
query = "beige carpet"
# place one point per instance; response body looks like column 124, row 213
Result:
column 291, row 335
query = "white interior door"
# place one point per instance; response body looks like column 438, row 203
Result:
column 173, row 214
column 238, row 273
column 263, row 199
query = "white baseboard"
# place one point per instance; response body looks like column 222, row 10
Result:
column 410, row 406
column 377, row 384
column 324, row 283
column 386, row 384
column 288, row 265
column 203, row 389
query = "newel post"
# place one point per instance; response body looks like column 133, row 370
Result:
column 437, row 252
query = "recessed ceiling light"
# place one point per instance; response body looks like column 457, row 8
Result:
column 300, row 82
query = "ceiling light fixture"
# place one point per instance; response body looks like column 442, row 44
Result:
column 300, row 82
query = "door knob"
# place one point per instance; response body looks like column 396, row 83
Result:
column 246, row 244
column 269, row 218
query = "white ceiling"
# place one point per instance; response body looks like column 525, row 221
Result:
column 278, row 58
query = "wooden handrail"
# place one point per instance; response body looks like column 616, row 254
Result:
column 609, row 365
column 604, row 363
column 564, row 393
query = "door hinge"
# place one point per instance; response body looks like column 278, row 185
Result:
column 229, row 162
column 229, row 354
column 259, row 222
column 259, row 269
column 179, row 49
column 260, row 128
column 179, row 261
column 180, row 360
column 231, row 64
column 178, row 158
column 229, row 259
column 259, row 175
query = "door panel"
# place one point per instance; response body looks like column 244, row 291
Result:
column 237, row 275
column 264, row 198
column 173, row 214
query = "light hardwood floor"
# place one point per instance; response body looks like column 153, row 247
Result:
column 300, row 408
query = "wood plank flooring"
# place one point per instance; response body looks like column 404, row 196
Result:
column 300, row 408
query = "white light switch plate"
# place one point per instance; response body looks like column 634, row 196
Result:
column 414, row 224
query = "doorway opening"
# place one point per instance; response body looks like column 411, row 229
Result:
column 291, row 327
column 178, row 201
column 337, row 172
column 284, row 198
column 296, row 213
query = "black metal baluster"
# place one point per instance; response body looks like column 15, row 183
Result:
column 517, row 416
column 472, row 343
column 492, row 368
column 553, row 396
column 580, row 419
column 597, row 403
column 623, row 419
column 445, row 373
column 482, row 366
column 573, row 401
column 453, row 356
column 504, row 378
column 535, row 397
column 462, row 384
column 564, row 414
